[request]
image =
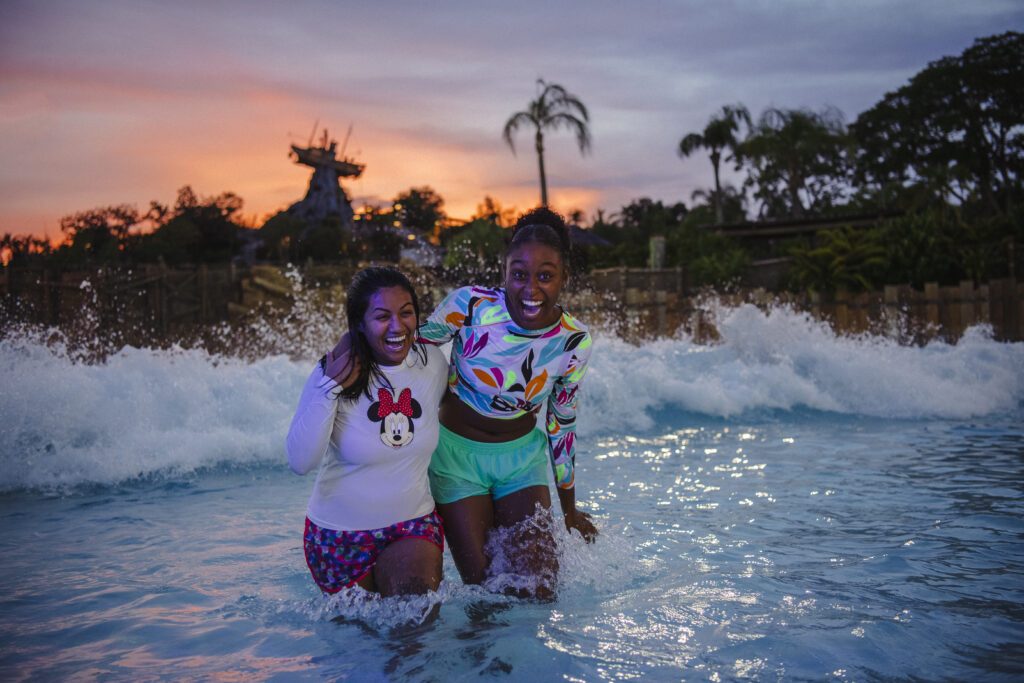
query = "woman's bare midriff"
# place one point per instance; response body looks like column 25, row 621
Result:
column 458, row 417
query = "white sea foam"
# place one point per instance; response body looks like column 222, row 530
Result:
column 784, row 360
column 142, row 412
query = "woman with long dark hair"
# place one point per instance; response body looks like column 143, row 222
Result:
column 368, row 418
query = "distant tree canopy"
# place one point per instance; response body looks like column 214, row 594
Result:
column 24, row 250
column 953, row 135
column 954, row 132
column 796, row 161
column 195, row 230
column 97, row 236
column 492, row 210
column 420, row 208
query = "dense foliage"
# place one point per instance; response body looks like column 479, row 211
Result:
column 932, row 174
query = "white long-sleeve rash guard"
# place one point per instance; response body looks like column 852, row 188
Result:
column 374, row 451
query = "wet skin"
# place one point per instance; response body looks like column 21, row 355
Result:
column 535, row 275
column 534, row 278
column 389, row 325
column 409, row 565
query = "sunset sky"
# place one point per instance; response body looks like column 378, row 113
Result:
column 110, row 102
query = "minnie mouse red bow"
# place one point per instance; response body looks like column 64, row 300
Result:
column 388, row 404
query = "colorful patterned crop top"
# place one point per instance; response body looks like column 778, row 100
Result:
column 504, row 371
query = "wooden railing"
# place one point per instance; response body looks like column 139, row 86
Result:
column 648, row 303
column 638, row 303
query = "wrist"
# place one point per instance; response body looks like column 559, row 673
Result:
column 567, row 501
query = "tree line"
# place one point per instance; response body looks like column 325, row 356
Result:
column 941, row 156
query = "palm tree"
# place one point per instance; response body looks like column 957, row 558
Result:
column 797, row 154
column 553, row 108
column 719, row 134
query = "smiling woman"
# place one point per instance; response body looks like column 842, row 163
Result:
column 368, row 419
column 389, row 324
column 514, row 349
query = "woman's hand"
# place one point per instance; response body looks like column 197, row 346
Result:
column 342, row 366
column 574, row 518
column 580, row 521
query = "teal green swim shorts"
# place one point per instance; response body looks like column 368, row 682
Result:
column 461, row 467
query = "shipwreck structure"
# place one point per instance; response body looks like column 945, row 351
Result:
column 327, row 207
column 325, row 196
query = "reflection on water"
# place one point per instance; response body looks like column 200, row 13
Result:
column 783, row 504
column 820, row 548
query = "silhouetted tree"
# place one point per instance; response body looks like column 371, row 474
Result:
column 97, row 236
column 23, row 250
column 196, row 230
column 797, row 161
column 553, row 108
column 719, row 135
column 956, row 130
column 730, row 204
column 420, row 208
column 492, row 210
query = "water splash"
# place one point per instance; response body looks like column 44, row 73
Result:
column 79, row 412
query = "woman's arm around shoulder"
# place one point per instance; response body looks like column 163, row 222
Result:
column 448, row 318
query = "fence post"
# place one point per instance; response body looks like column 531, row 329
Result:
column 47, row 305
column 661, row 299
column 162, row 301
column 982, row 309
column 931, row 303
column 891, row 308
column 966, row 304
column 1018, row 309
column 842, row 312
column 892, row 296
column 656, row 260
column 204, row 299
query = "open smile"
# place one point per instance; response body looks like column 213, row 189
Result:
column 395, row 342
column 531, row 308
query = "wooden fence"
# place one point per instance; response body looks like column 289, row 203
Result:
column 155, row 297
column 154, row 303
column 163, row 302
column 657, row 303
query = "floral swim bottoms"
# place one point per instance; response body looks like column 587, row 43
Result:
column 339, row 559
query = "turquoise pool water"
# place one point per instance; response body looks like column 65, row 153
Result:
column 783, row 505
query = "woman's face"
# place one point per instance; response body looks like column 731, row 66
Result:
column 534, row 277
column 389, row 325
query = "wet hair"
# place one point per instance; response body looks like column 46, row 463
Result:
column 364, row 285
column 543, row 226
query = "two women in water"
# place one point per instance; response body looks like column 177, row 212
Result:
column 514, row 351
